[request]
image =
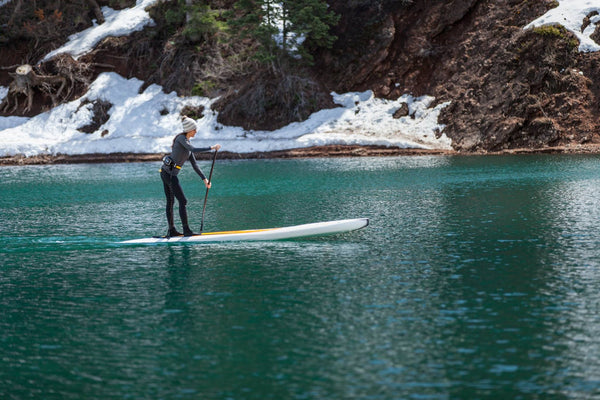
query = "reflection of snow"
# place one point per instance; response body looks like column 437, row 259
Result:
column 576, row 217
column 576, row 265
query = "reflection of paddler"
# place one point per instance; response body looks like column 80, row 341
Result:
column 181, row 151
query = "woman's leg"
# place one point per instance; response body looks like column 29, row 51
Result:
column 166, row 178
column 181, row 199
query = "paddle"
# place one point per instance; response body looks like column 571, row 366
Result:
column 206, row 196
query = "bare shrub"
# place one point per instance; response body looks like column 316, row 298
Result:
column 273, row 99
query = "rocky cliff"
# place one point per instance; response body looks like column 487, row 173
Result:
column 509, row 87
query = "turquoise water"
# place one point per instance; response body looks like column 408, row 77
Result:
column 477, row 279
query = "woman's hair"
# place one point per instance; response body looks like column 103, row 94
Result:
column 175, row 138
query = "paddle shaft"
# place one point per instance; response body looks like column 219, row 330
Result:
column 206, row 196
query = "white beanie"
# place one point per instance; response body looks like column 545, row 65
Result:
column 188, row 124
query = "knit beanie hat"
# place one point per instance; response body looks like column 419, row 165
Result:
column 188, row 124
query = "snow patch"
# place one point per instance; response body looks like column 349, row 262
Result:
column 571, row 14
column 117, row 23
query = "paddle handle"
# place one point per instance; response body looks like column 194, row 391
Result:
column 206, row 195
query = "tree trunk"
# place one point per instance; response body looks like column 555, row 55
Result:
column 24, row 80
column 15, row 12
column 21, row 84
column 188, row 5
column 97, row 11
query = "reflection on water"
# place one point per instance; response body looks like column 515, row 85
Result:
column 575, row 205
column 475, row 279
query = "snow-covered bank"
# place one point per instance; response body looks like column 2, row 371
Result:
column 146, row 122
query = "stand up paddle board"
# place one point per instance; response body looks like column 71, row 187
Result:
column 289, row 232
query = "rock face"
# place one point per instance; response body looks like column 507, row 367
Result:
column 509, row 88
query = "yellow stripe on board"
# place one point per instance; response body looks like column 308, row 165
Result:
column 232, row 232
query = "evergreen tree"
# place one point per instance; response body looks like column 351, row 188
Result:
column 285, row 27
column 310, row 20
column 202, row 22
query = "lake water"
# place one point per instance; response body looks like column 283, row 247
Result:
column 478, row 278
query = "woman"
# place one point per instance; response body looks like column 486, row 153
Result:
column 181, row 151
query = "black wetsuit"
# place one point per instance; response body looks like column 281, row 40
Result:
column 182, row 150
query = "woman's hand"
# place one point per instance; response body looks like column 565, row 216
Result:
column 207, row 183
column 216, row 147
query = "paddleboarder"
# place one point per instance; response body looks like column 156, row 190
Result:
column 181, row 151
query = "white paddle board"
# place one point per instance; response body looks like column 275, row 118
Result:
column 289, row 232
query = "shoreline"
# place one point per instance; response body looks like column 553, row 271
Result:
column 329, row 151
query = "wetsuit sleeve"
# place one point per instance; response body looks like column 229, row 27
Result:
column 186, row 145
column 195, row 166
column 201, row 149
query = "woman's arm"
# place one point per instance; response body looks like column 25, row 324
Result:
column 185, row 143
column 205, row 149
column 192, row 159
column 196, row 167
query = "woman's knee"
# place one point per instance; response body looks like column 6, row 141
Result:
column 180, row 196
